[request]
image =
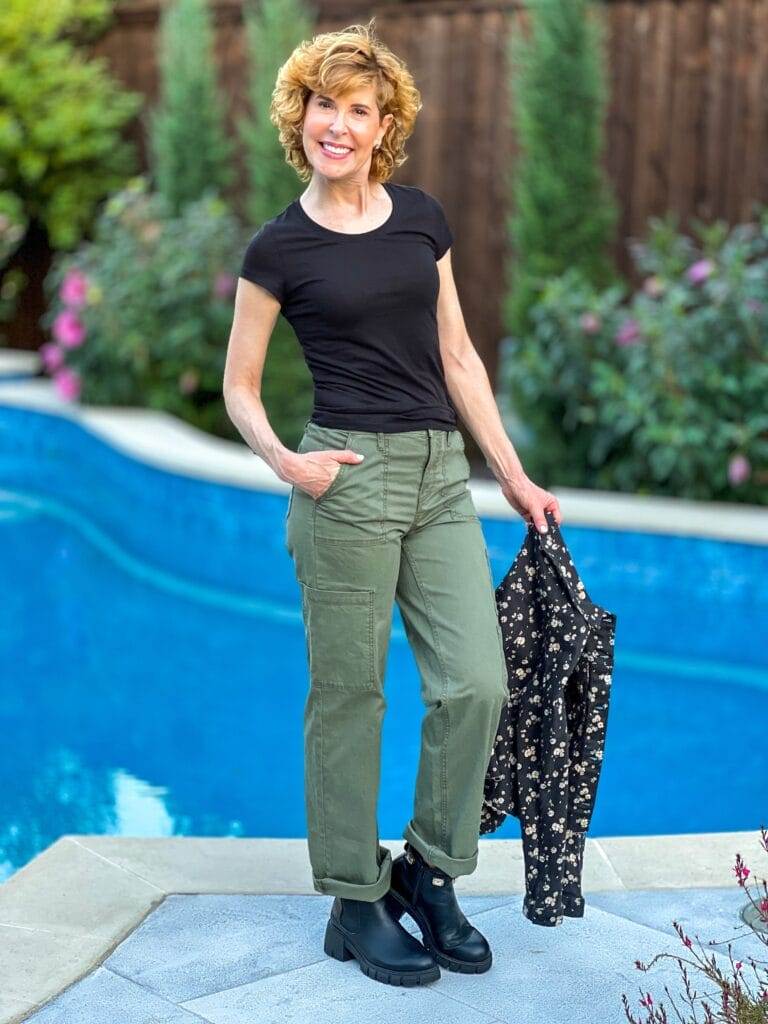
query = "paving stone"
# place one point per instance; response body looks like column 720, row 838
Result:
column 574, row 973
column 194, row 945
column 105, row 998
column 332, row 992
column 713, row 913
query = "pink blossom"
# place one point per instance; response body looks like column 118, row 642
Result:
column 699, row 271
column 654, row 286
column 739, row 470
column 224, row 285
column 51, row 355
column 67, row 383
column 628, row 333
column 189, row 381
column 68, row 329
column 590, row 323
column 648, row 1001
column 740, row 870
column 74, row 288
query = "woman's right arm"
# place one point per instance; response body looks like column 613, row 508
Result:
column 256, row 312
column 255, row 315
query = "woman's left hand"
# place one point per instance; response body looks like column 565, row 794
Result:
column 531, row 501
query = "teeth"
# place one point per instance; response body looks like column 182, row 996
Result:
column 335, row 149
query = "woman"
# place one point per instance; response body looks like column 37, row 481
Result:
column 379, row 509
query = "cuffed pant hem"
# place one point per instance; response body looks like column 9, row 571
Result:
column 353, row 891
column 453, row 866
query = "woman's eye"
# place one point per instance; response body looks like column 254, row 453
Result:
column 325, row 103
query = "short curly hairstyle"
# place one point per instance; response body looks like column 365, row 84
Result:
column 335, row 63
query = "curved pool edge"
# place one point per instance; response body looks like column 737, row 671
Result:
column 166, row 442
column 68, row 908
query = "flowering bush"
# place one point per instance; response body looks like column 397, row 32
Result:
column 140, row 316
column 664, row 391
column 739, row 1003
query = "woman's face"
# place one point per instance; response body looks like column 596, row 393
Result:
column 350, row 122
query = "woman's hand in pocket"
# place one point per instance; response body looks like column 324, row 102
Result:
column 316, row 471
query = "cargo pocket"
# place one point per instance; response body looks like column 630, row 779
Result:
column 340, row 637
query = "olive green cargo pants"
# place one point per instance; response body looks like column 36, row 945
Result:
column 400, row 525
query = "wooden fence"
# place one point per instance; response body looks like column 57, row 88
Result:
column 685, row 128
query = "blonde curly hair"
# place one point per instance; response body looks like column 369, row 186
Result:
column 334, row 63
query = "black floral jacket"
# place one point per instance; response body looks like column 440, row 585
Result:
column 548, row 752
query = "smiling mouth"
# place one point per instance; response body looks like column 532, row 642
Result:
column 336, row 151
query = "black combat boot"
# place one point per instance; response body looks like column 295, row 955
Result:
column 385, row 950
column 426, row 893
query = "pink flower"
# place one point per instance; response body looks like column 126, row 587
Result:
column 628, row 333
column 74, row 288
column 51, row 355
column 648, row 1001
column 67, row 383
column 699, row 271
column 590, row 323
column 654, row 286
column 739, row 470
column 189, row 381
column 68, row 329
column 740, row 870
column 224, row 285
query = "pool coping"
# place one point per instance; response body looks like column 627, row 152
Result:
column 163, row 440
column 66, row 910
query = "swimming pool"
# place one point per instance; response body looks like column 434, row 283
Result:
column 153, row 660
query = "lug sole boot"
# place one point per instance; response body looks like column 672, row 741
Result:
column 384, row 949
column 426, row 893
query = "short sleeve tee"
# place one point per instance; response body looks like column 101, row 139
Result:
column 363, row 307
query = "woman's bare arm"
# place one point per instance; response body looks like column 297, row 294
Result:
column 255, row 315
column 471, row 393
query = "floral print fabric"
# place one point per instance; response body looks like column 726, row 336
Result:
column 546, row 760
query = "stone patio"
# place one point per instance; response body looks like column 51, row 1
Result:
column 115, row 930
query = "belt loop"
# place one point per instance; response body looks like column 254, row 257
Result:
column 380, row 440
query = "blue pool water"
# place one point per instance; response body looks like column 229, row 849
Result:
column 153, row 667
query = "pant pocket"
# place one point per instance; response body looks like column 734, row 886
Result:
column 316, row 438
column 340, row 637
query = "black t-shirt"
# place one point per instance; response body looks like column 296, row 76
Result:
column 363, row 307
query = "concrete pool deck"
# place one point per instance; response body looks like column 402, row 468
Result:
column 120, row 930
